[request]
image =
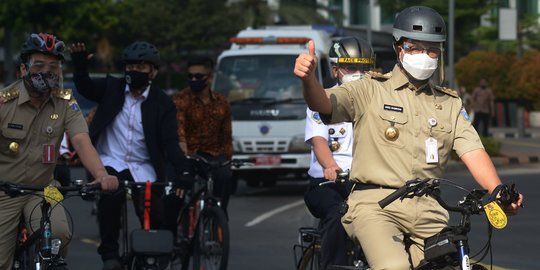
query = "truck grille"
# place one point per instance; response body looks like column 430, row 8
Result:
column 263, row 146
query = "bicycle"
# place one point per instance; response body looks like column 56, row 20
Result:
column 38, row 250
column 449, row 248
column 203, row 228
column 150, row 249
column 307, row 251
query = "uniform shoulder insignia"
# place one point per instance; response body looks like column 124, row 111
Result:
column 9, row 94
column 447, row 91
column 63, row 94
column 379, row 76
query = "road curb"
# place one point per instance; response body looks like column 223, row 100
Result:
column 456, row 165
column 521, row 159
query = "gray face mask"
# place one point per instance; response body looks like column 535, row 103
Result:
column 42, row 82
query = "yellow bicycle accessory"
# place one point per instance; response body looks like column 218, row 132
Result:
column 52, row 195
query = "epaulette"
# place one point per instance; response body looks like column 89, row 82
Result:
column 447, row 91
column 63, row 94
column 10, row 94
column 379, row 76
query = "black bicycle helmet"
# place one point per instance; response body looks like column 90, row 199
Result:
column 43, row 43
column 419, row 23
column 352, row 50
column 141, row 51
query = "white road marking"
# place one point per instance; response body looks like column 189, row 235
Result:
column 271, row 213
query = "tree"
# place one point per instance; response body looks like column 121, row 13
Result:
column 489, row 65
column 525, row 80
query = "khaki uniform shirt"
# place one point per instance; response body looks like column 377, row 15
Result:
column 376, row 103
column 30, row 137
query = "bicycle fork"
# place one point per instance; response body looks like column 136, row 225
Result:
column 463, row 256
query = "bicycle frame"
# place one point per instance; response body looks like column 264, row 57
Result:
column 141, row 252
column 47, row 249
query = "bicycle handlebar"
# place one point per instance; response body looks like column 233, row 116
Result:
column 14, row 190
column 342, row 177
column 410, row 186
column 216, row 164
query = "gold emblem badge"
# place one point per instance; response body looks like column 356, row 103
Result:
column 334, row 146
column 14, row 148
column 342, row 131
column 54, row 116
column 391, row 133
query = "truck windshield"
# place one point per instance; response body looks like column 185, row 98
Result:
column 266, row 78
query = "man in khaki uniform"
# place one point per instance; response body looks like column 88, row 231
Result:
column 34, row 113
column 405, row 127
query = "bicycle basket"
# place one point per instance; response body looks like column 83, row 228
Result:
column 152, row 242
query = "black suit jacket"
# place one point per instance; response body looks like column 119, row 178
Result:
column 158, row 119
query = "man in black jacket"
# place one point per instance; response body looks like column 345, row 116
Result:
column 134, row 131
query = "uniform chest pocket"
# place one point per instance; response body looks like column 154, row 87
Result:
column 50, row 134
column 12, row 140
column 391, row 127
column 442, row 132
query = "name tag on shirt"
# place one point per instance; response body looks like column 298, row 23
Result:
column 432, row 154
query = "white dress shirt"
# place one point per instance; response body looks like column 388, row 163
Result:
column 340, row 132
column 123, row 144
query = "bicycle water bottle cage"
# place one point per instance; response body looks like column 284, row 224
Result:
column 152, row 242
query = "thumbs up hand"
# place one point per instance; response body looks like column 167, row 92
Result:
column 304, row 67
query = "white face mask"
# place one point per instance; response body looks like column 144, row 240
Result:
column 420, row 66
column 350, row 77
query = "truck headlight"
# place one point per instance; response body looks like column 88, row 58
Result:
column 298, row 145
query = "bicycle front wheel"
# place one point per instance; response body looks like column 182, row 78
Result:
column 211, row 246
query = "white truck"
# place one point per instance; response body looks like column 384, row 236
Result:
column 268, row 109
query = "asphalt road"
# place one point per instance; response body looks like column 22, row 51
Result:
column 264, row 226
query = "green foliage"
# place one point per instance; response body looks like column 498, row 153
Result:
column 492, row 146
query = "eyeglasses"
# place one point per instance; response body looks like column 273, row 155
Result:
column 197, row 76
column 432, row 52
column 41, row 66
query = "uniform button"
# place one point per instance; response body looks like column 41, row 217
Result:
column 442, row 127
column 415, row 155
column 416, row 113
column 393, row 117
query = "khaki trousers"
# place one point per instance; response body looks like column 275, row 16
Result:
column 380, row 231
column 29, row 205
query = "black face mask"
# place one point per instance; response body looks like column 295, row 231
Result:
column 137, row 80
column 42, row 82
column 197, row 85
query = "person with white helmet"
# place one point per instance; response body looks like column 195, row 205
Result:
column 331, row 151
column 406, row 126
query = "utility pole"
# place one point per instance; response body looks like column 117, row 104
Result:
column 451, row 34
column 369, row 23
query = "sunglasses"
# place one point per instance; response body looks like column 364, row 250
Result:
column 198, row 76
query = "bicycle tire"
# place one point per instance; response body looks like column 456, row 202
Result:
column 211, row 242
column 310, row 259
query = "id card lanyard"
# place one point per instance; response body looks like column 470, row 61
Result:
column 432, row 153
